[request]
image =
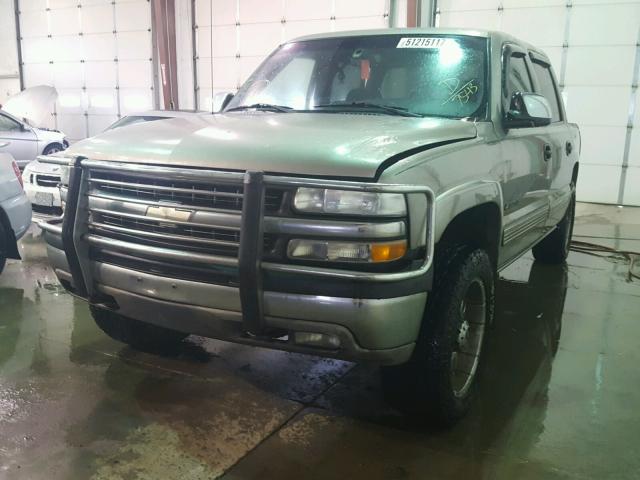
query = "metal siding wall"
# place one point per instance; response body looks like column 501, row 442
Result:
column 593, row 46
column 98, row 55
column 9, row 72
column 234, row 36
column 184, row 54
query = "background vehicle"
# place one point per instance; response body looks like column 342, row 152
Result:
column 355, row 199
column 25, row 142
column 42, row 186
column 19, row 117
column 41, row 180
column 15, row 210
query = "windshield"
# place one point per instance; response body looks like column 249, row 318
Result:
column 426, row 75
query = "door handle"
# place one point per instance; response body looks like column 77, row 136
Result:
column 568, row 148
column 547, row 152
column 4, row 144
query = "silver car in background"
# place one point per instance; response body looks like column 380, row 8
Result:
column 25, row 142
column 41, row 179
column 22, row 120
column 15, row 210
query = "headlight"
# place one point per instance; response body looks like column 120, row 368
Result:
column 359, row 252
column 347, row 202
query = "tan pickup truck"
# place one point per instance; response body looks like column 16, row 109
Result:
column 354, row 199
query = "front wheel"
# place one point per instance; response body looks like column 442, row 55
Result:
column 441, row 377
column 139, row 335
column 53, row 148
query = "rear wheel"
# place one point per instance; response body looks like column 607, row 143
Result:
column 139, row 335
column 554, row 248
column 440, row 379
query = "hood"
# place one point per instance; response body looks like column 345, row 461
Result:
column 38, row 167
column 34, row 104
column 322, row 144
column 48, row 136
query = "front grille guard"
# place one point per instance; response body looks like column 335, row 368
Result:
column 76, row 238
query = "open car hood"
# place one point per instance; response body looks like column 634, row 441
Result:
column 33, row 104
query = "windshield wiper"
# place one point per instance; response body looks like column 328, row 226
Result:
column 261, row 106
column 389, row 109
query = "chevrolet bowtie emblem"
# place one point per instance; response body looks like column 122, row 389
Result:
column 169, row 213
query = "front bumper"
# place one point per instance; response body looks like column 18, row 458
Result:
column 42, row 197
column 379, row 328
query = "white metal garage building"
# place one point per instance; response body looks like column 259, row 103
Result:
column 110, row 71
column 169, row 315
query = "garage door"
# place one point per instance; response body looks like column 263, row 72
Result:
column 9, row 77
column 594, row 49
column 98, row 54
column 234, row 36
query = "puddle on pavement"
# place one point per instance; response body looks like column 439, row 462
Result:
column 75, row 404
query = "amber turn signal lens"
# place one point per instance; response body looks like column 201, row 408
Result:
column 330, row 251
column 386, row 252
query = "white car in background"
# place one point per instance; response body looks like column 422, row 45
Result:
column 15, row 209
column 41, row 179
column 20, row 118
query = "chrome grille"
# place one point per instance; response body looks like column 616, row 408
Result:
column 183, row 236
column 187, row 193
column 204, row 218
column 47, row 180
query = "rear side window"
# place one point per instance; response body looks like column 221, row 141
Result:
column 547, row 88
column 518, row 79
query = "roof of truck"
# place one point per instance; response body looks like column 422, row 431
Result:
column 493, row 34
column 396, row 31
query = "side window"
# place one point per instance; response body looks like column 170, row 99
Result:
column 7, row 124
column 517, row 77
column 547, row 88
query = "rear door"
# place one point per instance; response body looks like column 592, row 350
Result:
column 19, row 142
column 526, row 156
column 558, row 143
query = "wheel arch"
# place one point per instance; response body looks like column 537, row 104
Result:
column 471, row 215
column 61, row 143
column 574, row 173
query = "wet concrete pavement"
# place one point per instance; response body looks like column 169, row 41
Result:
column 559, row 390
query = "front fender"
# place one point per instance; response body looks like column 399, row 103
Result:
column 454, row 201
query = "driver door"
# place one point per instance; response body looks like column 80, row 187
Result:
column 19, row 141
column 525, row 153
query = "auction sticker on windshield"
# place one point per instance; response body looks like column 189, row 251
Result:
column 422, row 42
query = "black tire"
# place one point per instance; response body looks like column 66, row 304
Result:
column 139, row 335
column 554, row 248
column 53, row 148
column 428, row 379
column 3, row 247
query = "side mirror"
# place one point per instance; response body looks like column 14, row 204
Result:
column 528, row 110
column 220, row 101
